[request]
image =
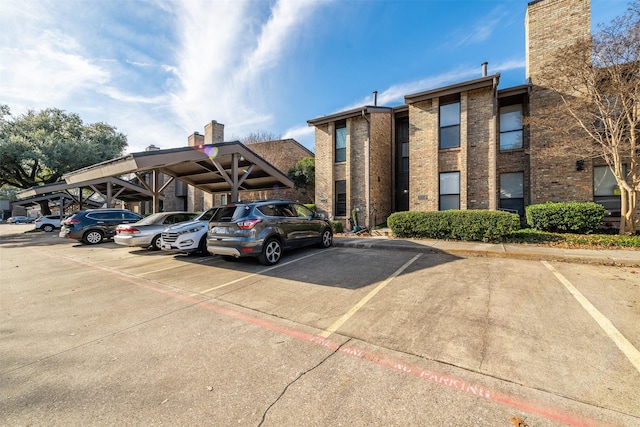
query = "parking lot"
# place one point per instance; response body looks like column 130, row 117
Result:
column 106, row 335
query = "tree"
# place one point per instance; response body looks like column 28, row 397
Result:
column 596, row 113
column 262, row 136
column 40, row 147
column 303, row 175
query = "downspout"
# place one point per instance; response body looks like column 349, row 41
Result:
column 493, row 201
column 368, row 167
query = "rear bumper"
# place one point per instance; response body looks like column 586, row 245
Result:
column 133, row 241
column 237, row 247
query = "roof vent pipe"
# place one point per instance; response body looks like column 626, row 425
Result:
column 484, row 69
column 375, row 98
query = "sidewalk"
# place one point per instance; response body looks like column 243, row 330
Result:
column 613, row 257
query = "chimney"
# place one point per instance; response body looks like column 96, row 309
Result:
column 213, row 132
column 484, row 69
column 195, row 140
column 375, row 98
column 152, row 148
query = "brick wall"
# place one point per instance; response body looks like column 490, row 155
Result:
column 423, row 155
column 551, row 24
column 324, row 167
column 381, row 165
column 481, row 150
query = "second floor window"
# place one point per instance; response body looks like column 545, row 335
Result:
column 341, row 141
column 511, row 127
column 450, row 125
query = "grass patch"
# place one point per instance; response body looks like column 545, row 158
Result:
column 570, row 240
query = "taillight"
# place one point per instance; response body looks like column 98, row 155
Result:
column 127, row 230
column 72, row 221
column 248, row 224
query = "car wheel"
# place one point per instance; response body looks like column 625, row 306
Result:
column 202, row 246
column 327, row 238
column 93, row 237
column 47, row 227
column 271, row 252
column 156, row 243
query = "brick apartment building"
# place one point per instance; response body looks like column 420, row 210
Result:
column 462, row 146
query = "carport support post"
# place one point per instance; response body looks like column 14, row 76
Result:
column 154, row 191
column 234, row 177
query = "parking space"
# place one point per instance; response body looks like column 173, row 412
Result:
column 103, row 334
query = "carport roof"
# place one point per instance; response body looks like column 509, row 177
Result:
column 212, row 168
column 122, row 189
column 54, row 198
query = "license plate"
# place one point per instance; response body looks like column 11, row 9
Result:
column 166, row 246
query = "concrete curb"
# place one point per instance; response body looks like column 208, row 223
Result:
column 619, row 258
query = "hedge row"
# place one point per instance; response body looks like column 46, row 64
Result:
column 574, row 217
column 481, row 225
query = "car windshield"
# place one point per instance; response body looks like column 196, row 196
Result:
column 151, row 219
column 206, row 215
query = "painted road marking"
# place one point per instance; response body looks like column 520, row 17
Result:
column 623, row 344
column 248, row 276
column 338, row 323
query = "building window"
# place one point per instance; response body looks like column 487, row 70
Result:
column 223, row 199
column 512, row 192
column 341, row 141
column 341, row 198
column 605, row 190
column 449, row 190
column 405, row 157
column 450, row 125
column 511, row 127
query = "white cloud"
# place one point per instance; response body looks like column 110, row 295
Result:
column 224, row 66
column 41, row 64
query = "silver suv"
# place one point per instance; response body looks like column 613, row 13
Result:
column 265, row 229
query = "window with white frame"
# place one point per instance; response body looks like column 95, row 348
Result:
column 449, row 190
column 512, row 192
column 450, row 125
column 511, row 127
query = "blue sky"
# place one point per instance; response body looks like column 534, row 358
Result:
column 158, row 70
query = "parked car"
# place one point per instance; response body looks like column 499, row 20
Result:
column 20, row 220
column 265, row 229
column 92, row 226
column 147, row 232
column 47, row 223
column 188, row 237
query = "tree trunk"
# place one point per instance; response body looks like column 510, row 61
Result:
column 44, row 207
column 629, row 201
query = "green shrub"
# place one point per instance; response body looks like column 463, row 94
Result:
column 573, row 217
column 338, row 227
column 312, row 206
column 481, row 225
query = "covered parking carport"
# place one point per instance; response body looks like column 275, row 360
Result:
column 60, row 193
column 214, row 168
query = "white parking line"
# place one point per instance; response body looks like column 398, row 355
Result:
column 623, row 344
column 336, row 325
column 255, row 274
